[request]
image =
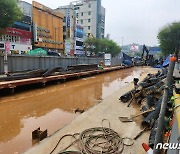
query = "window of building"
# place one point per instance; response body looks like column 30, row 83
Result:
column 77, row 15
column 7, row 38
column 89, row 5
column 17, row 38
column 76, row 8
column 79, row 43
column 64, row 20
column 77, row 21
column 81, row 21
column 81, row 13
column 89, row 27
column 1, row 38
column 10, row 38
column 89, row 20
column 64, row 28
column 89, row 13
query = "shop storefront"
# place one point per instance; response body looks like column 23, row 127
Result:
column 18, row 40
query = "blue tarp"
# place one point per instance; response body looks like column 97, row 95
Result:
column 127, row 59
column 158, row 66
column 167, row 61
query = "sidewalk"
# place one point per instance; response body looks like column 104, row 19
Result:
column 110, row 108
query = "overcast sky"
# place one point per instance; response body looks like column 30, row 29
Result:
column 133, row 21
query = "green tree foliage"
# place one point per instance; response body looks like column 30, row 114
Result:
column 169, row 38
column 102, row 45
column 9, row 13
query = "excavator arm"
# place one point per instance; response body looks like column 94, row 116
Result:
column 147, row 53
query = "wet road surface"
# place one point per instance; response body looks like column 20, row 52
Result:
column 53, row 107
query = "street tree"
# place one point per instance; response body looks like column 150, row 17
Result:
column 102, row 45
column 10, row 12
column 169, row 38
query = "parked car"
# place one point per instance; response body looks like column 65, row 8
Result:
column 53, row 53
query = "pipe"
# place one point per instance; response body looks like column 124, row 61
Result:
column 126, row 97
column 153, row 134
column 153, row 88
column 148, row 122
column 49, row 72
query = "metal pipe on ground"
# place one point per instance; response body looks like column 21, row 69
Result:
column 53, row 70
column 148, row 102
column 148, row 122
column 153, row 88
column 153, row 134
column 25, row 75
column 160, row 128
column 126, row 97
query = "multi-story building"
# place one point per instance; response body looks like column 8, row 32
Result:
column 68, row 28
column 82, row 19
column 47, row 28
column 17, row 38
column 91, row 16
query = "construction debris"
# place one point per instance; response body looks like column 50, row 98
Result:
column 38, row 134
column 97, row 140
column 148, row 95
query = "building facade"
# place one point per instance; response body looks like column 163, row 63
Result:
column 91, row 16
column 17, row 39
column 68, row 28
column 47, row 28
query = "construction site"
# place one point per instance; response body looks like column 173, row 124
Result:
column 90, row 108
column 89, row 77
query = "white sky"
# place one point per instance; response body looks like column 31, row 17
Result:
column 136, row 21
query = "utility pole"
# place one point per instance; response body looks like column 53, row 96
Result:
column 7, row 48
column 122, row 40
column 160, row 127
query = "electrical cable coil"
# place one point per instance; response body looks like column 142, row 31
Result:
column 98, row 140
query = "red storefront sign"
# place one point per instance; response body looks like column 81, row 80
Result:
column 18, row 32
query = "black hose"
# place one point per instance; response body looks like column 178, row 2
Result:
column 153, row 88
column 148, row 102
column 148, row 122
column 126, row 97
column 153, row 134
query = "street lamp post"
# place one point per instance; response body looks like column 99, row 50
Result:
column 7, row 48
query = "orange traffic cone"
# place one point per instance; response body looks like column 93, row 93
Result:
column 147, row 148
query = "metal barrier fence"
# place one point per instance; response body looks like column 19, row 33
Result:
column 23, row 62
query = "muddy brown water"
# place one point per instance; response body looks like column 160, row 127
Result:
column 53, row 107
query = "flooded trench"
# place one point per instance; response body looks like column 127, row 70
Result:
column 53, row 107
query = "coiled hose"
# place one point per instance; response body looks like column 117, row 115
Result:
column 98, row 140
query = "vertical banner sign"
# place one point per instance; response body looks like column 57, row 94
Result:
column 67, row 47
column 7, row 46
column 35, row 32
column 68, row 24
column 107, row 59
